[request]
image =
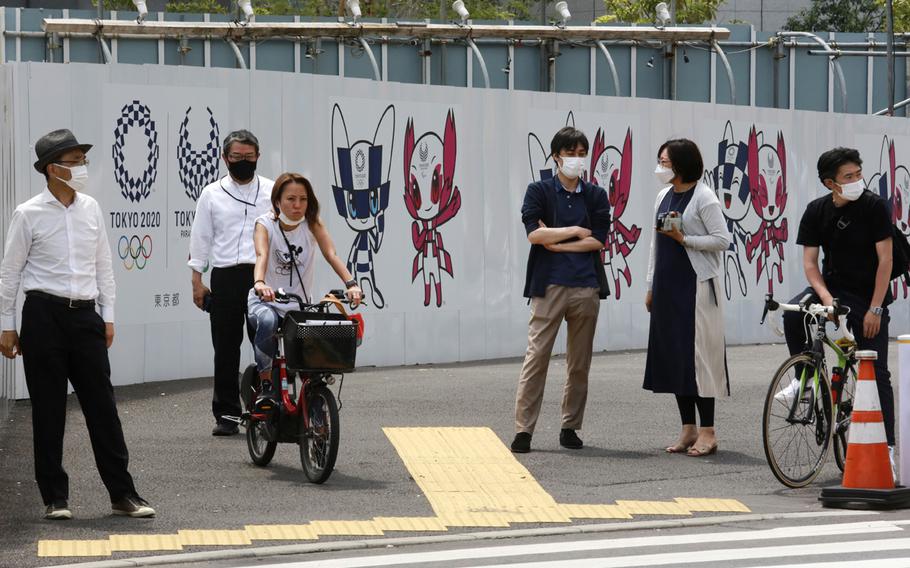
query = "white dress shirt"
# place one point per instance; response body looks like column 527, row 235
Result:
column 222, row 233
column 58, row 250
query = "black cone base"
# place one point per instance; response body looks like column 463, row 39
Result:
column 849, row 498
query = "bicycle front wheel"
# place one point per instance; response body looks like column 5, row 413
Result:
column 842, row 421
column 260, row 441
column 796, row 427
column 319, row 440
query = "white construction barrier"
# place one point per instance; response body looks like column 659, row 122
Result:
column 447, row 275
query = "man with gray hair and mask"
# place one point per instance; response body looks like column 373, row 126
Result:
column 222, row 239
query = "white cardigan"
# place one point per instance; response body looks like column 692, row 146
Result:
column 706, row 233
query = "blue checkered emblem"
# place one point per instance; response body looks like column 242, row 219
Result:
column 135, row 115
column 197, row 168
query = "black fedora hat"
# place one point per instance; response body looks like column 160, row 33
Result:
column 52, row 144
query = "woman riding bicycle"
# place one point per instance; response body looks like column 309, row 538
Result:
column 285, row 240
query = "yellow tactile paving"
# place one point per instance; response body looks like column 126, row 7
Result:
column 712, row 505
column 653, row 508
column 74, row 548
column 468, row 476
column 213, row 537
column 345, row 528
column 421, row 524
column 144, row 542
column 471, row 479
column 595, row 512
column 280, row 532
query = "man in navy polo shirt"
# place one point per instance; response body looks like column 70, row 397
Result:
column 567, row 221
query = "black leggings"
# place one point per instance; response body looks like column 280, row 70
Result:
column 687, row 406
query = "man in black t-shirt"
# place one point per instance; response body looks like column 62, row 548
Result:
column 853, row 228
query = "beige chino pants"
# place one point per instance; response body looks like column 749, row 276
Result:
column 579, row 308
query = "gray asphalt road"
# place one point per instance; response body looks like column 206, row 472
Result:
column 196, row 481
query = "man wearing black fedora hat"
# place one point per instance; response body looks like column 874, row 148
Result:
column 57, row 251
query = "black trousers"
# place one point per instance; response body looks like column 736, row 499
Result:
column 230, row 287
column 795, row 333
column 687, row 406
column 60, row 343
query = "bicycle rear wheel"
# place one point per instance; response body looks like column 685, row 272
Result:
column 842, row 422
column 319, row 442
column 796, row 443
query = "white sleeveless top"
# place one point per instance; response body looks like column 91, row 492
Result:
column 280, row 271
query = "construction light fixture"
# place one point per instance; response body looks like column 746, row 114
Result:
column 662, row 16
column 650, row 62
column 142, row 9
column 353, row 7
column 685, row 56
column 244, row 7
column 459, row 7
column 562, row 8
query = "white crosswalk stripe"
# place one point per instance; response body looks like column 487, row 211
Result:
column 835, row 543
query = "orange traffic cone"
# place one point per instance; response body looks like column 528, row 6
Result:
column 868, row 480
column 868, row 465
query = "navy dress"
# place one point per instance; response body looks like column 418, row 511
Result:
column 670, row 366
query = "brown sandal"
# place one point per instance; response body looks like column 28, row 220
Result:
column 679, row 448
column 696, row 452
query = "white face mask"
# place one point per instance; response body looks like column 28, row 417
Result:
column 852, row 191
column 78, row 177
column 663, row 175
column 288, row 221
column 572, row 167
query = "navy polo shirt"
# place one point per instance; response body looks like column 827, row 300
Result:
column 572, row 269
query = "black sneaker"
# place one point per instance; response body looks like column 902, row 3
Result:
column 58, row 511
column 135, row 507
column 522, row 443
column 569, row 439
column 225, row 429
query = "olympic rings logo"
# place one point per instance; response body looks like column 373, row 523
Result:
column 134, row 251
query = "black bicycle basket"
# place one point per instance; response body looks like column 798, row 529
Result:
column 319, row 342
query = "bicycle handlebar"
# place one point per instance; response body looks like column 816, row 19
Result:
column 283, row 297
column 814, row 310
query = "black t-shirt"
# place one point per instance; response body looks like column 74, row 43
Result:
column 847, row 236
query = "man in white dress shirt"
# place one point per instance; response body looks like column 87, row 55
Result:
column 222, row 239
column 57, row 250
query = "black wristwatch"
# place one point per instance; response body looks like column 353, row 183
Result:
column 877, row 310
column 350, row 283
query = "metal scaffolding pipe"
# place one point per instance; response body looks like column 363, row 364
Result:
column 237, row 54
column 366, row 47
column 420, row 30
column 612, row 66
column 105, row 51
column 728, row 69
column 884, row 111
column 860, row 53
column 833, row 54
column 483, row 64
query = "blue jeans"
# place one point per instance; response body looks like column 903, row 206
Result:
column 265, row 320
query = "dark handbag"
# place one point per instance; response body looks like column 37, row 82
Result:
column 601, row 273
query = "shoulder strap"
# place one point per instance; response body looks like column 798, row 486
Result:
column 293, row 256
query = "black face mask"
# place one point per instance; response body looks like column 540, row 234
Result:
column 242, row 170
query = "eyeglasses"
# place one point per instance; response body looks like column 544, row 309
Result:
column 237, row 157
column 72, row 162
column 665, row 163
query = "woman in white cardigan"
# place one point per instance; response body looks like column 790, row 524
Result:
column 686, row 351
